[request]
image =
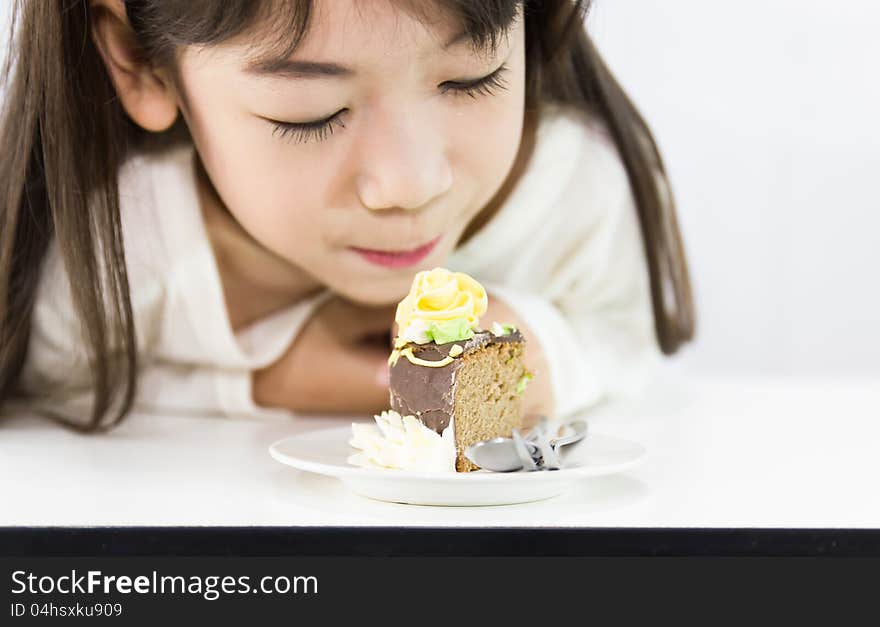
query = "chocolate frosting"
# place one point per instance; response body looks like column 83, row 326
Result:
column 428, row 393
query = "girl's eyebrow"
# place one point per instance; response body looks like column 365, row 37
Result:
column 290, row 68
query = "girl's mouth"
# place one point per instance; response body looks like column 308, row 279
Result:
column 397, row 258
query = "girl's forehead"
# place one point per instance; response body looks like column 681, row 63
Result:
column 348, row 29
column 336, row 27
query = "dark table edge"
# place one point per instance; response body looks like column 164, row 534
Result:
column 264, row 541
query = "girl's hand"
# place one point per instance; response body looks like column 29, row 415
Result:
column 338, row 362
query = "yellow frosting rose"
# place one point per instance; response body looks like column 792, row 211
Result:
column 438, row 295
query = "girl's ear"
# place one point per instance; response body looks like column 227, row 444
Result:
column 147, row 93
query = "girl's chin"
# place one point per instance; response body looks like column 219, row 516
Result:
column 373, row 290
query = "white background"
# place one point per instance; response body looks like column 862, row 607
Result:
column 766, row 115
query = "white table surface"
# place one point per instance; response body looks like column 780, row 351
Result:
column 722, row 452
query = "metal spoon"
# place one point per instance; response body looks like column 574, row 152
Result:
column 509, row 454
column 500, row 454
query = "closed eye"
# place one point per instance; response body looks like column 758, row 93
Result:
column 485, row 86
column 301, row 132
column 319, row 130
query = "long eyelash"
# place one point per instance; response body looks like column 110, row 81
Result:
column 307, row 131
column 485, row 86
column 319, row 131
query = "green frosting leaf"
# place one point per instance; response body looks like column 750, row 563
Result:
column 499, row 329
column 524, row 380
column 450, row 331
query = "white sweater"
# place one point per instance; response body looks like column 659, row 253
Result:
column 564, row 252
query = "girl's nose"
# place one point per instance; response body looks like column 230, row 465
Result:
column 403, row 166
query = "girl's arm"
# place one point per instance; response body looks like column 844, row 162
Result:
column 338, row 362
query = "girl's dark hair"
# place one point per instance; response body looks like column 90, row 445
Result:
column 64, row 135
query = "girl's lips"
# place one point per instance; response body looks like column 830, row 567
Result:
column 397, row 259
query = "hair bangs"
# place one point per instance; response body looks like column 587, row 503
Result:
column 275, row 29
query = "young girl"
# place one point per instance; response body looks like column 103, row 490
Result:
column 215, row 206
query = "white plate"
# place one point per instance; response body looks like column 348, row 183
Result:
column 325, row 452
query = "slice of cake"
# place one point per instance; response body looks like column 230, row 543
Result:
column 454, row 378
column 477, row 390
